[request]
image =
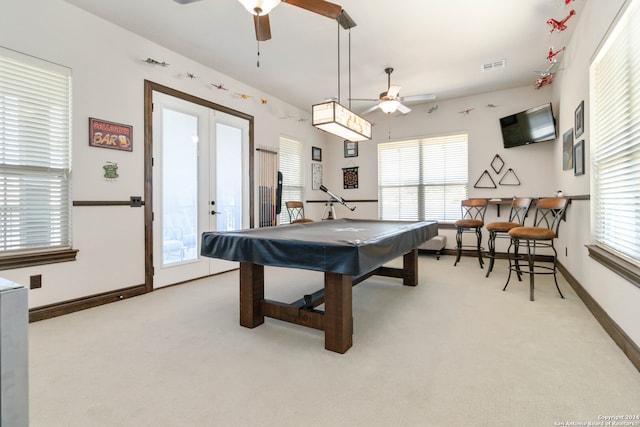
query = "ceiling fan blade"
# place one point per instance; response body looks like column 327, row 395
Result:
column 185, row 1
column 393, row 91
column 364, row 99
column 417, row 98
column 403, row 109
column 263, row 28
column 370, row 110
column 321, row 7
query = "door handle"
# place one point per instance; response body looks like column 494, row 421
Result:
column 215, row 212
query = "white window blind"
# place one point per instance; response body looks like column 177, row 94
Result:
column 615, row 83
column 292, row 176
column 422, row 178
column 35, row 163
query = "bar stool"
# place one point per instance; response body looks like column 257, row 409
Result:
column 519, row 210
column 295, row 209
column 549, row 212
column 473, row 211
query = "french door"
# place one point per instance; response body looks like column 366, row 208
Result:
column 200, row 183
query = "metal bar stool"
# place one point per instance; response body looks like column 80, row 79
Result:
column 295, row 209
column 473, row 211
column 549, row 212
column 500, row 229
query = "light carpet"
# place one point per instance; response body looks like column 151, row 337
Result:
column 454, row 351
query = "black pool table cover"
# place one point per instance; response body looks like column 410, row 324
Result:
column 345, row 246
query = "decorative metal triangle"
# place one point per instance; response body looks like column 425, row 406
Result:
column 485, row 175
column 497, row 163
column 508, row 178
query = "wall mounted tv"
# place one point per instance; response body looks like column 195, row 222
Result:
column 527, row 127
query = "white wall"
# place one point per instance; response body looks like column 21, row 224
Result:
column 618, row 297
column 108, row 76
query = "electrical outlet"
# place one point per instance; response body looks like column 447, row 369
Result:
column 35, row 281
column 135, row 201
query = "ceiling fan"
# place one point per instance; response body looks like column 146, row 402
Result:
column 390, row 101
column 261, row 8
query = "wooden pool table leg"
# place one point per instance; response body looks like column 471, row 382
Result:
column 410, row 267
column 251, row 294
column 338, row 317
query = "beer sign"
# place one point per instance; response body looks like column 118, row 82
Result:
column 110, row 135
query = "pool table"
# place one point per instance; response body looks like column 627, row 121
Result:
column 348, row 251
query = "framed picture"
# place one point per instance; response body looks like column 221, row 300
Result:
column 351, row 148
column 110, row 135
column 316, row 154
column 316, row 176
column 578, row 158
column 567, row 150
column 580, row 119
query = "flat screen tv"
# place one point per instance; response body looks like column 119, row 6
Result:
column 527, row 127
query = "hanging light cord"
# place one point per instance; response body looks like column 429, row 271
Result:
column 338, row 63
column 348, row 64
column 349, row 68
column 258, row 56
column 258, row 12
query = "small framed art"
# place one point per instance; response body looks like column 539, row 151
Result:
column 578, row 158
column 351, row 148
column 567, row 150
column 580, row 119
column 316, row 176
column 316, row 154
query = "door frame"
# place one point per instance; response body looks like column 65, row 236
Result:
column 149, row 88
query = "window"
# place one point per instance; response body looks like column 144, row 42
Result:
column 292, row 177
column 35, row 163
column 615, row 155
column 422, row 178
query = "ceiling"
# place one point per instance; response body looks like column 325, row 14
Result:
column 435, row 47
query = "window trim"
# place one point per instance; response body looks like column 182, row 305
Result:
column 618, row 265
column 33, row 259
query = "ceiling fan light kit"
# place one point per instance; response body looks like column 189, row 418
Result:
column 389, row 106
column 259, row 7
column 390, row 100
column 336, row 119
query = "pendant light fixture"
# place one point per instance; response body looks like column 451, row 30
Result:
column 335, row 118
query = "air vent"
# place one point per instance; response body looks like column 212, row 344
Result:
column 495, row 65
